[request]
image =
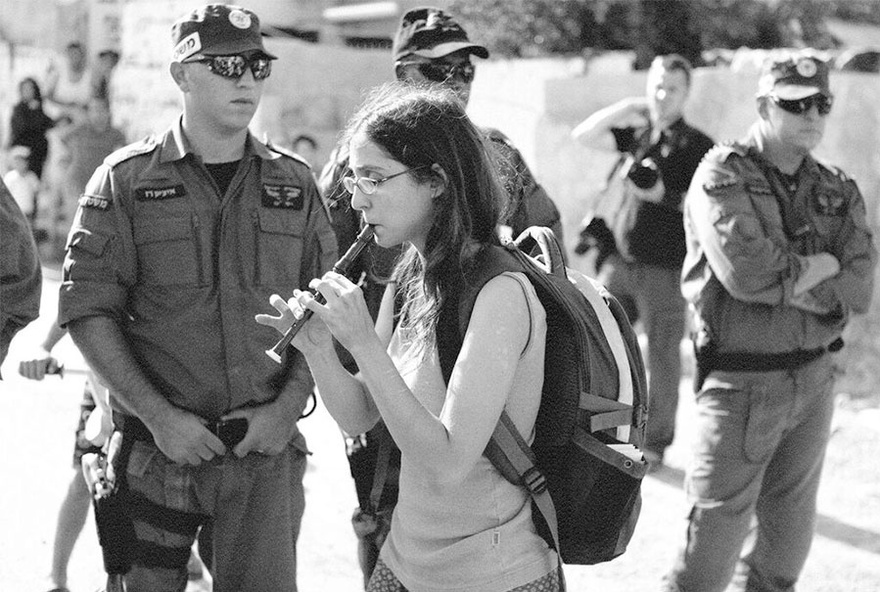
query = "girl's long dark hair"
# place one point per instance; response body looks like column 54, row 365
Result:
column 422, row 126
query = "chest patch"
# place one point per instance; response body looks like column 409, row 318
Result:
column 287, row 197
column 159, row 193
column 97, row 202
column 829, row 204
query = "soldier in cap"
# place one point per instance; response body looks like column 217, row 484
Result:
column 430, row 46
column 178, row 242
column 779, row 257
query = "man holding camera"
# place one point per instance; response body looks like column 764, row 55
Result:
column 661, row 153
column 179, row 240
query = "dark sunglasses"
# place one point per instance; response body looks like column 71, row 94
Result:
column 800, row 106
column 234, row 66
column 441, row 72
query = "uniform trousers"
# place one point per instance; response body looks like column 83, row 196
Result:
column 753, row 479
column 652, row 294
column 255, row 505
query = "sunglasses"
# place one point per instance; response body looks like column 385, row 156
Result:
column 800, row 106
column 369, row 186
column 234, row 66
column 441, row 72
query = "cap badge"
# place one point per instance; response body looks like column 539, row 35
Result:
column 240, row 19
column 806, row 67
column 439, row 21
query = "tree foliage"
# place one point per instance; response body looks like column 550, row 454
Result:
column 530, row 28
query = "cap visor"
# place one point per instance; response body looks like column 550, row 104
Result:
column 438, row 51
column 234, row 48
column 791, row 92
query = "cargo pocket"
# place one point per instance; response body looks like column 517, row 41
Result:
column 279, row 247
column 87, row 241
column 168, row 253
column 764, row 424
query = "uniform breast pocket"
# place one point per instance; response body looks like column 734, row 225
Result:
column 279, row 247
column 168, row 252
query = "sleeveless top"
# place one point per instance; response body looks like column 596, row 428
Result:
column 476, row 536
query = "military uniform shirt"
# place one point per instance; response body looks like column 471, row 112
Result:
column 184, row 269
column 746, row 233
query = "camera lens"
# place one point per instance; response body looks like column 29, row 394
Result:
column 644, row 174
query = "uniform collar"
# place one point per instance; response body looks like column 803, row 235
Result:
column 176, row 146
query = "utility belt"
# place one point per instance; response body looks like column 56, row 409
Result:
column 708, row 359
column 229, row 431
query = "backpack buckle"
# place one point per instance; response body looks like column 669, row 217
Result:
column 534, row 480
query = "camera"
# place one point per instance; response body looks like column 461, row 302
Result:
column 595, row 234
column 644, row 174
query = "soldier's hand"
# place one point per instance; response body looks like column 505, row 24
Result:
column 183, row 437
column 269, row 429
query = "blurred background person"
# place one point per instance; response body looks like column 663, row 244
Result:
column 23, row 183
column 661, row 152
column 29, row 123
column 108, row 59
column 83, row 147
column 69, row 84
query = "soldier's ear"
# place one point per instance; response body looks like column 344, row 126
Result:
column 178, row 73
column 762, row 103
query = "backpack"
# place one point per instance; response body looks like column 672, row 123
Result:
column 584, row 468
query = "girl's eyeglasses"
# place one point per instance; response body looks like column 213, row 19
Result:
column 369, row 186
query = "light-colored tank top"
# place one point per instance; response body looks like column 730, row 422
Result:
column 477, row 536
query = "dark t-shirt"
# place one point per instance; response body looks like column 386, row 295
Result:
column 223, row 173
column 657, row 235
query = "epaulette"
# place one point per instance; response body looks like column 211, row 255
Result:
column 833, row 171
column 144, row 146
column 719, row 177
column 287, row 152
column 721, row 151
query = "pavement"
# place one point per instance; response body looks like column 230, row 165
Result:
column 37, row 439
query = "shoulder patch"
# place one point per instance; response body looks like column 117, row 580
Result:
column 144, row 146
column 96, row 202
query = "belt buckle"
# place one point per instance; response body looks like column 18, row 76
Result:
column 229, row 431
